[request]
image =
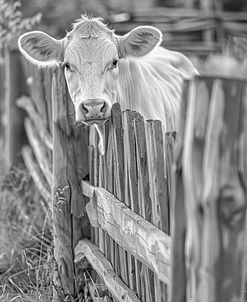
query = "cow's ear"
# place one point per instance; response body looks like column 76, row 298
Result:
column 139, row 41
column 41, row 49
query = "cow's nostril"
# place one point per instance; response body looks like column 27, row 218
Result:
column 103, row 108
column 84, row 109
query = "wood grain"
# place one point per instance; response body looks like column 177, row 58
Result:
column 39, row 150
column 25, row 103
column 70, row 164
column 213, row 179
column 103, row 267
column 38, row 178
column 142, row 239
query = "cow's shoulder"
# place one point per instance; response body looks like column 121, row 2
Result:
column 176, row 59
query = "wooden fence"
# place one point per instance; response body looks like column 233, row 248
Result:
column 132, row 206
column 209, row 229
column 193, row 31
column 112, row 214
column 127, row 190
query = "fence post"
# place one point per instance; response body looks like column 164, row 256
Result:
column 70, row 166
column 15, row 87
column 214, row 180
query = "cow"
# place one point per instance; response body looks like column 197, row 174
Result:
column 102, row 68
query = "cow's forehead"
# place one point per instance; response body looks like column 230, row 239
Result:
column 89, row 28
column 91, row 50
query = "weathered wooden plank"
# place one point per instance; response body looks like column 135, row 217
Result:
column 94, row 141
column 178, row 221
column 142, row 239
column 158, row 190
column 223, row 195
column 25, row 103
column 47, row 86
column 101, row 184
column 91, row 163
column 119, row 180
column 214, row 192
column 118, row 155
column 144, row 200
column 104, row 183
column 155, row 148
column 70, row 163
column 109, row 185
column 145, row 207
column 94, row 172
column 131, row 192
column 170, row 144
column 103, row 267
column 37, row 177
column 109, row 162
column 39, row 151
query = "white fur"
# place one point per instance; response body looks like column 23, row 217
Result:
column 29, row 57
column 148, row 78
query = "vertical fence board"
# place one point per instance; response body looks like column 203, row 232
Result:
column 118, row 150
column 160, row 210
column 94, row 177
column 131, row 190
column 110, row 184
column 142, row 168
column 70, row 165
column 178, row 221
column 170, row 146
column 118, row 158
column 214, row 193
column 160, row 205
column 144, row 199
column 104, row 180
column 47, row 81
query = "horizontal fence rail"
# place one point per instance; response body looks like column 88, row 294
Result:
column 135, row 234
column 86, row 249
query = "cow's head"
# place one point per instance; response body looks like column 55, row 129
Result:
column 90, row 54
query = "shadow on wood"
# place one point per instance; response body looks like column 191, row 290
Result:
column 214, row 168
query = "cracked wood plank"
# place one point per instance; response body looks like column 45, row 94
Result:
column 142, row 239
column 103, row 267
column 70, row 165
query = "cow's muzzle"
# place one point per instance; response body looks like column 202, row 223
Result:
column 93, row 111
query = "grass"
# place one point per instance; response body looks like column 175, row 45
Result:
column 26, row 249
column 25, row 240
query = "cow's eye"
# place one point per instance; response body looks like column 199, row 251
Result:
column 67, row 67
column 114, row 64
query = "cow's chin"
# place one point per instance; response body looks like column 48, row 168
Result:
column 94, row 121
